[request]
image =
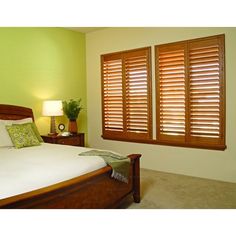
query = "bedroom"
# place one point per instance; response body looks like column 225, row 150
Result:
column 64, row 63
column 50, row 60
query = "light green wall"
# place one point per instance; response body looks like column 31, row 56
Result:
column 220, row 165
column 42, row 63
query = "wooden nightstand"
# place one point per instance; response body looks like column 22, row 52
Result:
column 73, row 140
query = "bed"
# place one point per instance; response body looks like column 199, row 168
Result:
column 93, row 190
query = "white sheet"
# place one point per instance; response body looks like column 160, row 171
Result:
column 27, row 169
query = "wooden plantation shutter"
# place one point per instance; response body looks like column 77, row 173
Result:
column 190, row 92
column 112, row 94
column 126, row 92
column 206, row 66
column 138, row 94
column 171, row 93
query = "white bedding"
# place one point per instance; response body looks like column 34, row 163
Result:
column 26, row 169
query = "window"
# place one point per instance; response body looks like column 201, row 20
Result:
column 190, row 93
column 126, row 95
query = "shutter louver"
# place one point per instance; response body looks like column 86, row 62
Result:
column 112, row 95
column 136, row 72
column 204, row 91
column 171, row 90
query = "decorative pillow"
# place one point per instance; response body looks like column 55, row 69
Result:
column 5, row 140
column 36, row 132
column 22, row 135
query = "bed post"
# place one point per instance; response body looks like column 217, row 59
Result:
column 136, row 176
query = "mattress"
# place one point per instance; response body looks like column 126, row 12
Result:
column 31, row 168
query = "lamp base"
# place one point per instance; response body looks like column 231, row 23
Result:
column 53, row 131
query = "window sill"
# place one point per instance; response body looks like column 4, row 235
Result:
column 220, row 147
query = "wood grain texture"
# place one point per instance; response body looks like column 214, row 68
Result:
column 73, row 140
column 127, row 94
column 204, row 84
column 95, row 190
column 10, row 112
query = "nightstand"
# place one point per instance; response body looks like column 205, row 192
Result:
column 73, row 140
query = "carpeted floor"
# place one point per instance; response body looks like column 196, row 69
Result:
column 160, row 190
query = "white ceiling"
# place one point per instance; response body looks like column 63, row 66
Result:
column 85, row 29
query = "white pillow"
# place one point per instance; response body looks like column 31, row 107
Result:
column 18, row 122
column 5, row 140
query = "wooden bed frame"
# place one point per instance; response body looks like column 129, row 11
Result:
column 90, row 191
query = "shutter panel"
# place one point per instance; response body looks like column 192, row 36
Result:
column 112, row 94
column 205, row 81
column 171, row 92
column 190, row 92
column 138, row 94
column 126, row 95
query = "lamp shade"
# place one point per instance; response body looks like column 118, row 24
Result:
column 52, row 108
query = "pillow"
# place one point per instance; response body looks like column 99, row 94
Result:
column 22, row 135
column 5, row 140
column 36, row 132
column 21, row 121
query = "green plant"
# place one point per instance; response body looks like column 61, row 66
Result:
column 72, row 108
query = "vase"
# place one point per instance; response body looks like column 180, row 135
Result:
column 72, row 127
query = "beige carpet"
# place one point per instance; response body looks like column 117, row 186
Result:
column 161, row 190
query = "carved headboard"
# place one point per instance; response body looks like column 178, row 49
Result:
column 11, row 112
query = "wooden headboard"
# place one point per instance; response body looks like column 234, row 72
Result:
column 11, row 112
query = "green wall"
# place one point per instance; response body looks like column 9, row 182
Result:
column 42, row 63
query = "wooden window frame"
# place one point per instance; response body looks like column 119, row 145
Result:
column 189, row 141
column 172, row 142
column 125, row 135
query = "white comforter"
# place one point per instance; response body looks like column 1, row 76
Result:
column 27, row 169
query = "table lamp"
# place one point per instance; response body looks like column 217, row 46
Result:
column 52, row 108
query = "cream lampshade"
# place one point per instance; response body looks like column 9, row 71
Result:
column 52, row 108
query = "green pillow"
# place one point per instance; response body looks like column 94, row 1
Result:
column 36, row 132
column 22, row 135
